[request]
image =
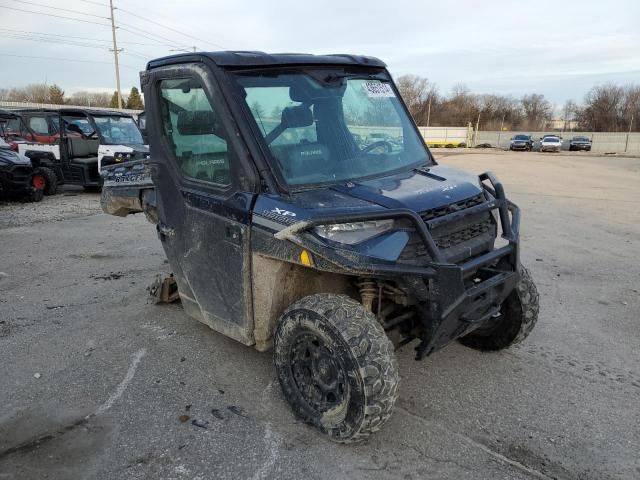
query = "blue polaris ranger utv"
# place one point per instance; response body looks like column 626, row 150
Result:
column 301, row 210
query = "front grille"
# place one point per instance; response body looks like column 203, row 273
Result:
column 455, row 238
column 458, row 240
column 452, row 208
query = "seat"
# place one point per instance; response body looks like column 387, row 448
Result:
column 301, row 159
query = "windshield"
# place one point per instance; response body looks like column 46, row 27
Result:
column 332, row 125
column 551, row 139
column 118, row 130
column 521, row 137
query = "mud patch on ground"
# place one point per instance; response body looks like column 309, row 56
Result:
column 6, row 328
column 109, row 276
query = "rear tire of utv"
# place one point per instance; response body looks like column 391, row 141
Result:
column 50, row 179
column 518, row 316
column 336, row 366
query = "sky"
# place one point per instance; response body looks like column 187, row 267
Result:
column 557, row 48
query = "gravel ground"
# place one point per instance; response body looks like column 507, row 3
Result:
column 94, row 379
column 70, row 202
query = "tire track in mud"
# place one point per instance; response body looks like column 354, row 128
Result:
column 594, row 372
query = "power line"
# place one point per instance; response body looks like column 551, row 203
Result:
column 173, row 45
column 96, row 3
column 52, row 15
column 73, row 37
column 59, row 58
column 168, row 28
column 138, row 29
column 60, row 9
column 136, row 54
column 52, row 40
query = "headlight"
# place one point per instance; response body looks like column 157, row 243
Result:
column 122, row 156
column 352, row 233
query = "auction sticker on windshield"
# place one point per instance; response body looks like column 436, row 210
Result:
column 375, row 88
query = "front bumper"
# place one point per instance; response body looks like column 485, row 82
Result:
column 16, row 179
column 520, row 146
column 581, row 146
column 453, row 299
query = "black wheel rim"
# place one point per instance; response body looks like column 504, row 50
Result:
column 318, row 374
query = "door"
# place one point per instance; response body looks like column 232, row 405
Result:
column 45, row 132
column 203, row 212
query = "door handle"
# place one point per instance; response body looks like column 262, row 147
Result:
column 233, row 233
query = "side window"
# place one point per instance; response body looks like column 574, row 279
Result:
column 39, row 125
column 193, row 131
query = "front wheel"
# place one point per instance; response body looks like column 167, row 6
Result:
column 518, row 315
column 36, row 189
column 51, row 181
column 336, row 366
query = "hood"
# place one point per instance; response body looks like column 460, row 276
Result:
column 126, row 147
column 9, row 156
column 415, row 190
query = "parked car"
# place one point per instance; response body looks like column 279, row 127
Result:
column 521, row 142
column 551, row 135
column 550, row 143
column 580, row 143
column 18, row 178
column 330, row 253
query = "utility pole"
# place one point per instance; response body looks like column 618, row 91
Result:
column 501, row 127
column 626, row 145
column 477, row 126
column 115, row 54
column 429, row 112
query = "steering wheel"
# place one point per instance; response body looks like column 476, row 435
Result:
column 379, row 143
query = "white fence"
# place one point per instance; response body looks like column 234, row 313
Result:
column 20, row 105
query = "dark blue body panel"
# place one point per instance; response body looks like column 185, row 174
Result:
column 412, row 190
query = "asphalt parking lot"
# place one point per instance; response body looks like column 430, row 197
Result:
column 94, row 379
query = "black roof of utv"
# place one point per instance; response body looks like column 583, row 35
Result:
column 8, row 115
column 241, row 59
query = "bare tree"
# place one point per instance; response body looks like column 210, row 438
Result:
column 418, row 93
column 570, row 112
column 537, row 111
column 604, row 109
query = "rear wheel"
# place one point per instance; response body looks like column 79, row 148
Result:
column 518, row 315
column 336, row 366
